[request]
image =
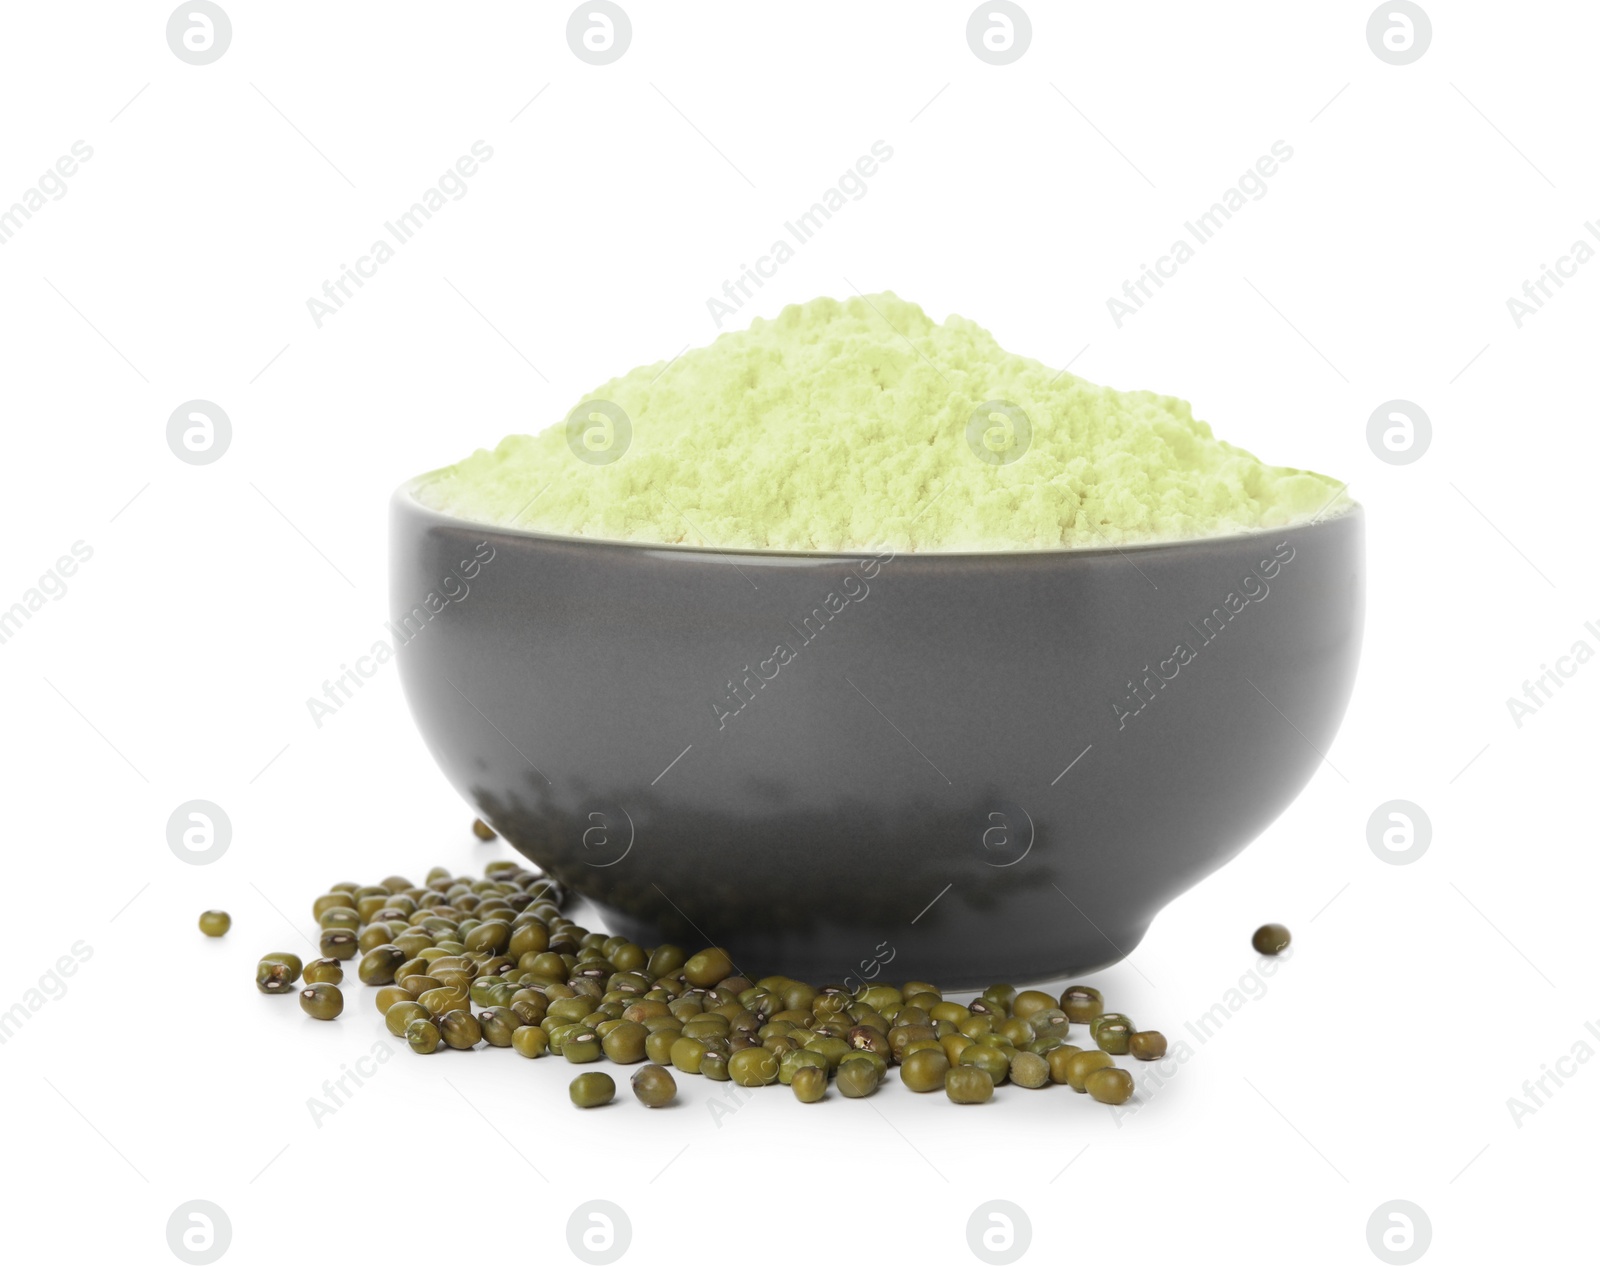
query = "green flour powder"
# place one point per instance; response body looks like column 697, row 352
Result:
column 862, row 423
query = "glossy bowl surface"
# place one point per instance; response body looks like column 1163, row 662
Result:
column 963, row 768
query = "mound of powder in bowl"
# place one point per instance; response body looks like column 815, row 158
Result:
column 855, row 424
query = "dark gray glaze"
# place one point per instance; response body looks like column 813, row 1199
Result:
column 892, row 801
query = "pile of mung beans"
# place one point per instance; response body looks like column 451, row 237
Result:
column 458, row 962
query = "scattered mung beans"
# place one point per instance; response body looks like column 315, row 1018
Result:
column 530, row 1041
column 1082, row 1003
column 1109, row 1085
column 276, row 973
column 714, row 1065
column 992, row 1060
column 857, row 1079
column 1029, row 1070
column 1111, row 1032
column 924, row 1071
column 967, row 1084
column 1057, row 1058
column 329, row 970
column 654, row 1086
column 1081, row 1064
column 340, row 943
column 378, row 964
column 752, row 1067
column 215, row 923
column 810, row 1084
column 1029, row 1002
column 591, row 1090
column 1270, row 939
column 460, row 1029
column 322, row 1002
column 498, row 1025
column 1147, row 1044
column 423, row 1037
column 458, row 962
column 399, row 1017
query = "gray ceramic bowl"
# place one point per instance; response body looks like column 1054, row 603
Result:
column 963, row 768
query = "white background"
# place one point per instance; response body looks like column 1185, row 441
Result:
column 1418, row 999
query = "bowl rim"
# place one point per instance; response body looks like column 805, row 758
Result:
column 405, row 495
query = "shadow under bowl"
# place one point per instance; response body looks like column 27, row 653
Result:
column 971, row 767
